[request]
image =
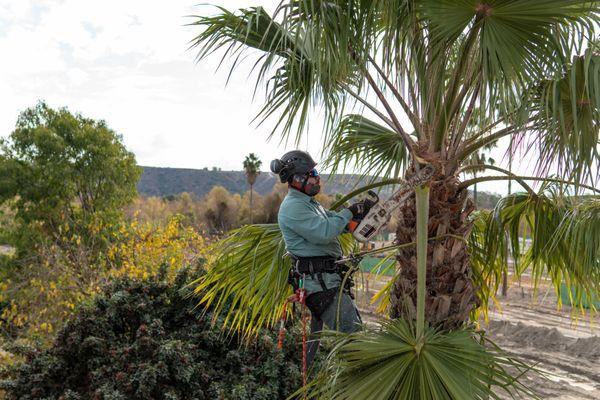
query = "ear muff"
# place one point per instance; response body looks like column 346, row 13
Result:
column 282, row 169
column 276, row 166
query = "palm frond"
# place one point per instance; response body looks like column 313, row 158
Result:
column 496, row 51
column 252, row 27
column 579, row 234
column 567, row 117
column 296, row 73
column 551, row 234
column 487, row 269
column 509, row 30
column 393, row 363
column 246, row 279
column 366, row 146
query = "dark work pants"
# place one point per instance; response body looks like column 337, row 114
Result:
column 349, row 321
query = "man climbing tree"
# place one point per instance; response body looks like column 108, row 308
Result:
column 311, row 237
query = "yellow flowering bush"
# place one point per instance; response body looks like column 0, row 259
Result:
column 37, row 297
column 142, row 249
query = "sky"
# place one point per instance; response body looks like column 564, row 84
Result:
column 129, row 63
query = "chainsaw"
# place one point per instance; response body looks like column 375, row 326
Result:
column 380, row 213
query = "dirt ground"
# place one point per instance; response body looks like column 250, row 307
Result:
column 564, row 348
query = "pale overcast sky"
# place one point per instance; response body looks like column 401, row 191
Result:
column 128, row 62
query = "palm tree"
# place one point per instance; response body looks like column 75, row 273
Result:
column 252, row 169
column 409, row 83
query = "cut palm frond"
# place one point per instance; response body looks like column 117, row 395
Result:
column 366, row 146
column 246, row 281
column 392, row 363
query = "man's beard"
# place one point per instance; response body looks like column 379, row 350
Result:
column 312, row 190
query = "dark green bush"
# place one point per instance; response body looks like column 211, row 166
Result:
column 147, row 340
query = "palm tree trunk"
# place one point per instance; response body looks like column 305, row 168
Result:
column 450, row 295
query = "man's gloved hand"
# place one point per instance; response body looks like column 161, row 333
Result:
column 358, row 210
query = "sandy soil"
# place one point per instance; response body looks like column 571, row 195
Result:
column 565, row 349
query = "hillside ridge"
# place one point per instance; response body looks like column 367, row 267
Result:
column 167, row 181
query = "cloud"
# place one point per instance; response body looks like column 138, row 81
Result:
column 128, row 63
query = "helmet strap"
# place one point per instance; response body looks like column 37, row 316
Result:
column 297, row 185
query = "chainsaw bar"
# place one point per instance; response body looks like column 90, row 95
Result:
column 379, row 215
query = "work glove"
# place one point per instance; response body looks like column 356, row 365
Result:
column 358, row 210
column 367, row 205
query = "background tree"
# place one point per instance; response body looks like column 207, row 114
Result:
column 64, row 172
column 441, row 80
column 252, row 169
column 221, row 210
column 476, row 160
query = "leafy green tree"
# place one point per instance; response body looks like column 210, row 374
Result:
column 252, row 169
column 7, row 219
column 64, row 175
column 442, row 79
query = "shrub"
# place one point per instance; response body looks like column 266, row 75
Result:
column 148, row 340
column 36, row 298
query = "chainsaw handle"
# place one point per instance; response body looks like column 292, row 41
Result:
column 374, row 198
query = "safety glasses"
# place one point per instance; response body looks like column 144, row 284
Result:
column 313, row 172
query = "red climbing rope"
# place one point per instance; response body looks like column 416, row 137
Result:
column 305, row 317
column 281, row 335
column 298, row 297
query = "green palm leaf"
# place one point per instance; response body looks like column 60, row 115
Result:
column 252, row 27
column 246, row 279
column 487, row 268
column 294, row 72
column 509, row 30
column 393, row 363
column 567, row 113
column 367, row 147
column 561, row 240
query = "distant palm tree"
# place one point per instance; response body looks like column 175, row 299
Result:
column 251, row 167
column 478, row 161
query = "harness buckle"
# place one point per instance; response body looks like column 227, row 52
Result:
column 311, row 270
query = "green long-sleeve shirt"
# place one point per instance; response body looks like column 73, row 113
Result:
column 309, row 230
